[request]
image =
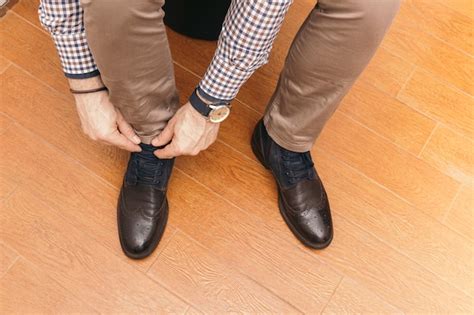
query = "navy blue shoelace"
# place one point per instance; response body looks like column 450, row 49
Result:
column 298, row 166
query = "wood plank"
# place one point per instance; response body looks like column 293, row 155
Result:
column 8, row 256
column 409, row 231
column 362, row 201
column 462, row 6
column 209, row 285
column 42, row 110
column 439, row 20
column 451, row 153
column 27, row 289
column 410, row 42
column 5, row 122
column 439, row 101
column 28, row 9
column 394, row 278
column 388, row 117
column 411, row 178
column 4, row 63
column 387, row 72
column 355, row 252
column 459, row 217
column 32, row 49
column 80, row 264
column 251, row 246
column 73, row 192
column 353, row 298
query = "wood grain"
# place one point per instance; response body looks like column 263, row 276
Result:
column 388, row 117
column 251, row 246
column 352, row 298
column 411, row 178
column 410, row 42
column 451, row 26
column 32, row 49
column 27, row 289
column 409, row 231
column 8, row 256
column 82, row 265
column 438, row 101
column 460, row 216
column 421, row 243
column 208, row 284
column 451, row 153
column 4, row 63
column 28, row 9
column 387, row 72
column 69, row 189
column 5, row 122
column 53, row 116
column 403, row 220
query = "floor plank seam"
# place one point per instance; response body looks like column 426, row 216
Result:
column 162, row 249
column 11, row 264
column 451, row 204
column 8, row 65
column 392, row 247
column 333, row 293
column 433, row 75
column 428, row 140
column 28, row 21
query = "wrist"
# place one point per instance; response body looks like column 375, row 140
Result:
column 213, row 110
column 86, row 84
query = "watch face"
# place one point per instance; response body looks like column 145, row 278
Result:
column 219, row 113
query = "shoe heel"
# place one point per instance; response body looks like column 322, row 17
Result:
column 257, row 153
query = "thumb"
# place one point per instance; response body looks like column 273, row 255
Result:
column 165, row 136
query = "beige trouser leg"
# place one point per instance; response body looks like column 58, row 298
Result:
column 129, row 43
column 331, row 49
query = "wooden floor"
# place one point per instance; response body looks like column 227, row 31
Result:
column 396, row 159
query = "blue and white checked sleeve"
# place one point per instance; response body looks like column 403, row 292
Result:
column 245, row 42
column 64, row 21
column 247, row 36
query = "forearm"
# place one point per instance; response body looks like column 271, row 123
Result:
column 246, row 40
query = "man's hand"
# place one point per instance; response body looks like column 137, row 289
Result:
column 100, row 120
column 189, row 133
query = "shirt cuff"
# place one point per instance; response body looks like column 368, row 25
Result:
column 224, row 78
column 76, row 58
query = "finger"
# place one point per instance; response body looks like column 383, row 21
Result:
column 119, row 140
column 168, row 152
column 165, row 135
column 126, row 129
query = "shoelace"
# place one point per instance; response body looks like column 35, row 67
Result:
column 147, row 167
column 297, row 166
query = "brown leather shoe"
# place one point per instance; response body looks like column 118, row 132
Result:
column 142, row 209
column 302, row 199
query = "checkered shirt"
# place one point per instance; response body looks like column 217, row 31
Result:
column 245, row 42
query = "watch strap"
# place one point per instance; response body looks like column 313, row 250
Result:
column 203, row 107
column 198, row 104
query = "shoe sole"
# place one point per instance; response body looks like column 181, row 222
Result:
column 281, row 207
column 159, row 234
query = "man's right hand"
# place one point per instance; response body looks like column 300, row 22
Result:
column 100, row 120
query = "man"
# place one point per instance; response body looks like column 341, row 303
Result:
column 115, row 54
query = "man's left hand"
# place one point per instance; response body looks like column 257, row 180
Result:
column 189, row 133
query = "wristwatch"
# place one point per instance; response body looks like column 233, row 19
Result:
column 215, row 112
